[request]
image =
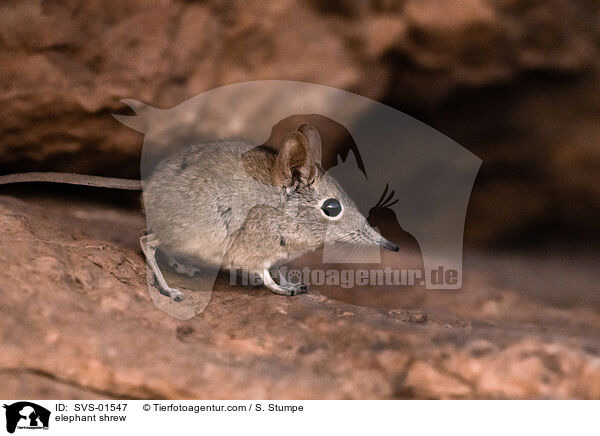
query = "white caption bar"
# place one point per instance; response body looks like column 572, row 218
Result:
column 266, row 417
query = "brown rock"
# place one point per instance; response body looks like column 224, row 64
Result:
column 73, row 284
column 516, row 82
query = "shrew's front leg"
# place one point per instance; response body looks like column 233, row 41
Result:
column 285, row 288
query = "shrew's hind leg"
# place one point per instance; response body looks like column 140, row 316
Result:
column 150, row 244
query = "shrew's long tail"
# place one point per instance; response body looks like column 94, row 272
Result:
column 73, row 179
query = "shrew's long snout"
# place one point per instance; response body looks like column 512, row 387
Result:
column 387, row 244
column 376, row 238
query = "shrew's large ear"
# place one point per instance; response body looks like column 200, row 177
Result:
column 295, row 161
column 314, row 141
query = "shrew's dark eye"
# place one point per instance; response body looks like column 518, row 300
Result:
column 331, row 207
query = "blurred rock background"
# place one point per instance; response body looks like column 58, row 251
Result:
column 517, row 82
column 514, row 81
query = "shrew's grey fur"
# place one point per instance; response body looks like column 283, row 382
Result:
column 240, row 206
column 234, row 205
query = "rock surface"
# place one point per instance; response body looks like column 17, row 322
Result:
column 516, row 82
column 76, row 321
